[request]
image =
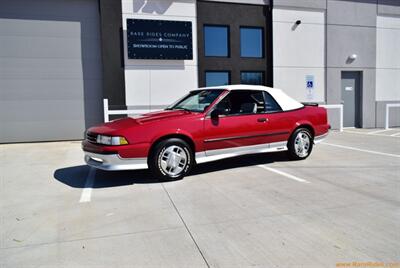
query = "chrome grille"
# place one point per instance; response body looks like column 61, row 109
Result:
column 91, row 137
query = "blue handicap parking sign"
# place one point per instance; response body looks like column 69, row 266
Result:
column 309, row 81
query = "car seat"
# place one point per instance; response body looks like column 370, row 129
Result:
column 248, row 108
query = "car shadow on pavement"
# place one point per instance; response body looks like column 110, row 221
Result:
column 76, row 176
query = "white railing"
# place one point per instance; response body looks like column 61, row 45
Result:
column 388, row 106
column 108, row 112
column 336, row 106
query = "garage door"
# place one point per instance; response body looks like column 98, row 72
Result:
column 50, row 69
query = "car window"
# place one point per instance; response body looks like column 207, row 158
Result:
column 240, row 102
column 270, row 104
column 197, row 101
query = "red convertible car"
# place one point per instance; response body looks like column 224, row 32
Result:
column 206, row 125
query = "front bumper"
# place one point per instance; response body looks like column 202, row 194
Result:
column 113, row 162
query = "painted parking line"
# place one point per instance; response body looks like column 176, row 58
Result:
column 377, row 131
column 395, row 134
column 287, row 175
column 368, row 134
column 86, row 195
column 360, row 150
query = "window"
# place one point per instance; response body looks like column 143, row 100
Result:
column 217, row 78
column 252, row 78
column 270, row 104
column 251, row 42
column 241, row 102
column 197, row 100
column 216, row 41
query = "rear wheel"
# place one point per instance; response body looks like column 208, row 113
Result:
column 300, row 144
column 171, row 159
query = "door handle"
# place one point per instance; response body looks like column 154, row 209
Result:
column 262, row 120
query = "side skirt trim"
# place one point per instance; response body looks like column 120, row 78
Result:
column 248, row 137
column 213, row 155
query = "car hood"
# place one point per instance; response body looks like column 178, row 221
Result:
column 160, row 115
column 114, row 126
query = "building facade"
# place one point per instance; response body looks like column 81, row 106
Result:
column 60, row 58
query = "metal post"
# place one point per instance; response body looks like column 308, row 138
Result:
column 106, row 114
column 389, row 105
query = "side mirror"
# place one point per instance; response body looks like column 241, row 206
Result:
column 215, row 114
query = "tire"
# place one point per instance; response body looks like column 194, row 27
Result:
column 300, row 144
column 171, row 159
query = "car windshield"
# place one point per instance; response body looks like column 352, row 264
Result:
column 196, row 101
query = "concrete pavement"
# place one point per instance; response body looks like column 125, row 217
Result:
column 243, row 212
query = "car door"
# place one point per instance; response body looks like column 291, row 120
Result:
column 278, row 124
column 241, row 125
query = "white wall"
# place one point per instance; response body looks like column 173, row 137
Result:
column 388, row 58
column 151, row 84
column 299, row 52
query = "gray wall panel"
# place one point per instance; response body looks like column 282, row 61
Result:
column 68, row 10
column 355, row 12
column 112, row 53
column 50, row 69
column 368, row 92
column 46, row 110
column 40, row 27
column 38, row 131
column 343, row 41
column 49, row 47
column 50, row 89
column 389, row 7
column 351, row 29
column 93, row 105
column 368, row 98
column 42, row 68
column 333, row 81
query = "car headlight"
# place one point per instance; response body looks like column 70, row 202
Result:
column 108, row 140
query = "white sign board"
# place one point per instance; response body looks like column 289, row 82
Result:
column 310, row 87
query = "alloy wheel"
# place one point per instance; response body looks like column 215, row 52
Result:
column 173, row 160
column 302, row 144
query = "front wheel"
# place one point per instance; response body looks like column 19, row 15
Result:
column 171, row 159
column 300, row 144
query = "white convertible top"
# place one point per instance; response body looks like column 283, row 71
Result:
column 287, row 103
